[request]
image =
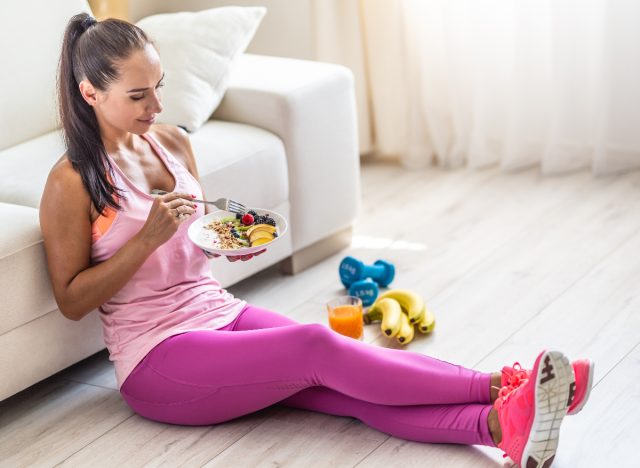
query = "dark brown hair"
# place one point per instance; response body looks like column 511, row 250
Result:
column 91, row 50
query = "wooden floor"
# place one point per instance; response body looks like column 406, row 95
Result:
column 509, row 263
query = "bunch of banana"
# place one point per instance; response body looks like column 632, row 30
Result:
column 398, row 310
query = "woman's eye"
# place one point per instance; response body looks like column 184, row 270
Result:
column 137, row 98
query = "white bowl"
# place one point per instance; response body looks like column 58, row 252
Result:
column 204, row 238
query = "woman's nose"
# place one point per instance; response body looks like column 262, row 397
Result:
column 155, row 105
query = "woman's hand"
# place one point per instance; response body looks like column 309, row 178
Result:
column 167, row 213
column 235, row 258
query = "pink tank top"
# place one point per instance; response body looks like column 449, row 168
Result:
column 173, row 292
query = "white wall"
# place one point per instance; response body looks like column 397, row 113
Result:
column 287, row 29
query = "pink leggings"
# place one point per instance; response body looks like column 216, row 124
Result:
column 262, row 358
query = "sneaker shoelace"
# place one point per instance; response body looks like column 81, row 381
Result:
column 517, row 375
column 515, row 379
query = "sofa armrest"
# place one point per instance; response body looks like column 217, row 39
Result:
column 311, row 107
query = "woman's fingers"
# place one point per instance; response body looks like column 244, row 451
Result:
column 175, row 199
column 235, row 258
column 167, row 197
column 179, row 205
column 177, row 202
column 210, row 254
column 167, row 213
column 244, row 258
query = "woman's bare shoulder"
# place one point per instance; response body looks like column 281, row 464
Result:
column 63, row 172
column 172, row 137
column 65, row 183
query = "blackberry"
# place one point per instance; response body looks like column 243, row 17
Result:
column 270, row 221
column 259, row 219
column 253, row 213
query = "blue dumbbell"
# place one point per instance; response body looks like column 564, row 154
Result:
column 366, row 290
column 352, row 270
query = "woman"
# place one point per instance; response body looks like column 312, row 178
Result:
column 188, row 352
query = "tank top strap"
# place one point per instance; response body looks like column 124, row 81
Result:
column 159, row 149
column 183, row 177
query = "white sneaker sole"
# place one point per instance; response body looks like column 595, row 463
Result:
column 553, row 379
column 578, row 408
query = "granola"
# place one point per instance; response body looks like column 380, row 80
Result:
column 225, row 239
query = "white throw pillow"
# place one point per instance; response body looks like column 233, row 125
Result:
column 197, row 50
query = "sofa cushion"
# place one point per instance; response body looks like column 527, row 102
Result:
column 28, row 165
column 241, row 162
column 31, row 38
column 197, row 49
column 22, row 268
column 234, row 160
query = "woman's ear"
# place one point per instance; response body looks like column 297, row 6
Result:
column 88, row 92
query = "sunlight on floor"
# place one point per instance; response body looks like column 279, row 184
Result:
column 368, row 242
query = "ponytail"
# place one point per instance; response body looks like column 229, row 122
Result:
column 91, row 50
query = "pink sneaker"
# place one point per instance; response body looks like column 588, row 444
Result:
column 531, row 413
column 578, row 393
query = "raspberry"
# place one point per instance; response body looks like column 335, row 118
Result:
column 247, row 219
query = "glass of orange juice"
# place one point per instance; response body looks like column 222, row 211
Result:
column 345, row 316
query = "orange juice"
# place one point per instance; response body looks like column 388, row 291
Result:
column 346, row 320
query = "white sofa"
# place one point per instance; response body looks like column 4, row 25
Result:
column 283, row 138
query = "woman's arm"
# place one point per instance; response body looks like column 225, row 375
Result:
column 65, row 221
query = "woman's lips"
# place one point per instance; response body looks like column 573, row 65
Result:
column 148, row 121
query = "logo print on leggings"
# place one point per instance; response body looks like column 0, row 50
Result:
column 572, row 393
column 547, row 371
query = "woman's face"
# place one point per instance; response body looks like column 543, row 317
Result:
column 132, row 102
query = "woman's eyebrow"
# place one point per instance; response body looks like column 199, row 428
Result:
column 137, row 90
